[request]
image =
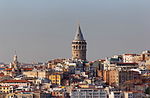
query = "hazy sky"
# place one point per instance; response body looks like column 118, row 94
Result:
column 40, row 30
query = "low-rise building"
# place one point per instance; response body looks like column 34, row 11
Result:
column 111, row 77
column 116, row 94
column 127, row 66
column 56, row 78
column 134, row 94
column 15, row 83
column 88, row 93
column 37, row 73
column 6, row 89
column 59, row 94
column 128, row 75
column 28, row 94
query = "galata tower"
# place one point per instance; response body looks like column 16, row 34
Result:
column 79, row 46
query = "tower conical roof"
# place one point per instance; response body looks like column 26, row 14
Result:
column 79, row 35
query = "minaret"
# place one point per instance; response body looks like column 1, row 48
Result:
column 14, row 66
column 79, row 46
column 15, row 62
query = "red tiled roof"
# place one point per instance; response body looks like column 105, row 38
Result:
column 23, row 91
column 27, row 69
column 8, row 69
column 14, row 81
column 127, row 63
column 102, row 60
column 134, row 91
column 130, row 54
column 4, row 86
column 2, row 67
column 1, row 74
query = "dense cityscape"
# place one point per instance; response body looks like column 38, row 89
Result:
column 120, row 76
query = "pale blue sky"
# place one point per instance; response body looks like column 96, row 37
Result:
column 40, row 30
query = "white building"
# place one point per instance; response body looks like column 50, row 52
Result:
column 128, row 58
column 89, row 93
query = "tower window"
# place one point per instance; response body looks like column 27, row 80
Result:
column 76, row 47
column 79, row 47
column 82, row 47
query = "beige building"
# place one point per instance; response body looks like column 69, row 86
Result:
column 15, row 83
column 14, row 95
column 134, row 94
column 55, row 78
column 116, row 77
column 111, row 77
column 136, row 58
column 37, row 74
column 6, row 89
column 146, row 55
column 128, row 58
column 26, row 94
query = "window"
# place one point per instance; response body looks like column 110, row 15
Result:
column 82, row 47
column 76, row 47
column 79, row 47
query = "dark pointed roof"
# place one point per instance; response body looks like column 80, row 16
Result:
column 79, row 35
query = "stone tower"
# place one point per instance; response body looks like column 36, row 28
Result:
column 79, row 46
column 15, row 67
column 15, row 62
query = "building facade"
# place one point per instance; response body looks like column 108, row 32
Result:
column 89, row 93
column 55, row 78
column 111, row 77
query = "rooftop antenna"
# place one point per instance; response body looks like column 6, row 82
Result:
column 15, row 56
column 78, row 23
column 15, row 52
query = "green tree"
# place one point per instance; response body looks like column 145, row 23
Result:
column 147, row 91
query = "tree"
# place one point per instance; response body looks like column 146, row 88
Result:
column 147, row 91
